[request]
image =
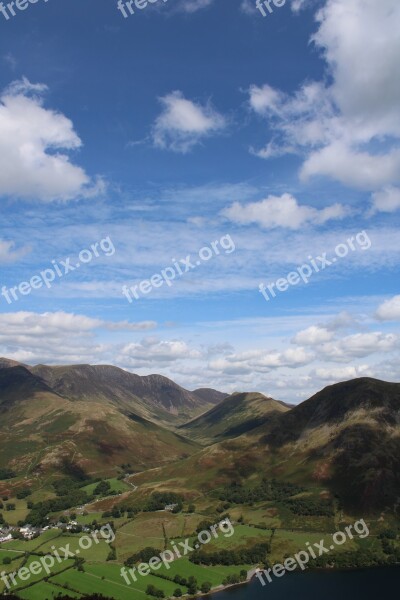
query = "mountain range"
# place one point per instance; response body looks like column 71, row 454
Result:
column 346, row 437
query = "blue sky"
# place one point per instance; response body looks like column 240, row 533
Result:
column 187, row 122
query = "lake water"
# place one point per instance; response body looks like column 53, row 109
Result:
column 368, row 584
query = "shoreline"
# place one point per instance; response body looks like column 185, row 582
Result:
column 224, row 588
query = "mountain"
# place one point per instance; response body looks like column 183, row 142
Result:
column 346, row 439
column 41, row 430
column 209, row 395
column 153, row 397
column 6, row 362
column 237, row 414
column 350, row 432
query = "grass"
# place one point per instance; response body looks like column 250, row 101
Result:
column 286, row 542
column 214, row 574
column 19, row 514
column 117, row 485
column 106, row 580
column 45, row 591
column 97, row 552
column 89, row 518
column 31, row 545
column 40, row 576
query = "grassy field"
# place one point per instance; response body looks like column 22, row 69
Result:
column 45, row 591
column 106, row 580
column 31, row 545
column 98, row 552
column 117, row 485
column 254, row 523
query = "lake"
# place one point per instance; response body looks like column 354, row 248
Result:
column 368, row 584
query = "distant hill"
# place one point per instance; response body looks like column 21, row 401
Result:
column 209, row 395
column 154, row 397
column 41, row 429
column 237, row 414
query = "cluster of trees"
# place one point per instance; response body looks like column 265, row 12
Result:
column 6, row 474
column 69, row 494
column 267, row 490
column 159, row 500
column 102, row 489
column 190, row 583
column 151, row 590
column 143, row 556
column 241, row 556
column 232, row 579
column 389, row 545
column 40, row 510
column 24, row 493
column 310, row 507
column 361, row 558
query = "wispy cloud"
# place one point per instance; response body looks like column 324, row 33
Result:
column 184, row 123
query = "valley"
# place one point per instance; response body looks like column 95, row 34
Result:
column 89, row 447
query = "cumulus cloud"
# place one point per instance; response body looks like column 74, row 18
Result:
column 183, row 124
column 34, row 324
column 151, row 351
column 338, row 126
column 340, row 374
column 386, row 200
column 281, row 211
column 34, row 142
column 259, row 361
column 312, row 336
column 359, row 345
column 389, row 310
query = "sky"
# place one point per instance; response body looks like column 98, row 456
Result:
column 157, row 168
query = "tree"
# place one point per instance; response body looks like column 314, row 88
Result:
column 178, row 593
column 205, row 587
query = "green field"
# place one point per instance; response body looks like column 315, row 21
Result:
column 117, row 485
column 45, row 591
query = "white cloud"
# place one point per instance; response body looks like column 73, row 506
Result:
column 340, row 125
column 152, row 351
column 34, row 142
column 192, row 6
column 183, row 123
column 389, row 310
column 356, row 169
column 386, row 200
column 259, row 361
column 340, row 374
column 313, row 336
column 8, row 254
column 29, row 327
column 281, row 211
column 359, row 345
